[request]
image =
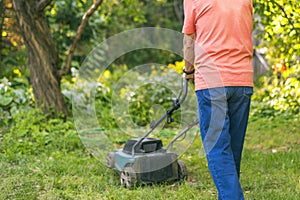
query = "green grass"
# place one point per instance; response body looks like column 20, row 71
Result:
column 270, row 170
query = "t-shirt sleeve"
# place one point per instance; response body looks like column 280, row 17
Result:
column 189, row 17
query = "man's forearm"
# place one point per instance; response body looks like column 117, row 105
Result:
column 188, row 51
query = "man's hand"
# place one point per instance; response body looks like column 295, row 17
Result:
column 188, row 76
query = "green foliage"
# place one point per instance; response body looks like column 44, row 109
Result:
column 144, row 98
column 278, row 94
column 14, row 96
column 16, row 93
column 140, row 100
column 64, row 17
column 13, row 58
column 152, row 13
column 34, row 134
column 278, row 28
column 112, row 18
column 279, row 23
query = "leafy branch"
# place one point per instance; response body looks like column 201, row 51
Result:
column 285, row 14
column 79, row 32
column 42, row 5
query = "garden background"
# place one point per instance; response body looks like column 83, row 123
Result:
column 41, row 154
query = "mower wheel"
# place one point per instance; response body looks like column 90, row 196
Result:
column 128, row 177
column 182, row 170
column 110, row 160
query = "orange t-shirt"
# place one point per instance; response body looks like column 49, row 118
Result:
column 223, row 43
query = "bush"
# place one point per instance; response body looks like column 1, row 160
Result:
column 278, row 94
column 14, row 95
column 33, row 133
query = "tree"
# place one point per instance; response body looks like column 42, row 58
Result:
column 43, row 57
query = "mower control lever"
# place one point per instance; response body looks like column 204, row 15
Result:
column 176, row 105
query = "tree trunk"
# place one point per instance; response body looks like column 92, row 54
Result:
column 43, row 58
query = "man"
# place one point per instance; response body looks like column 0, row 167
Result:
column 217, row 40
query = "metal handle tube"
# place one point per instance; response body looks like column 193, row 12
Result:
column 181, row 100
column 186, row 129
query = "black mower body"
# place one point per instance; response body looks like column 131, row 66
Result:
column 148, row 163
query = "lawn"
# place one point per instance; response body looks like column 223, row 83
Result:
column 270, row 170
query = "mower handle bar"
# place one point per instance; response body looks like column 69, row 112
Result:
column 186, row 129
column 166, row 115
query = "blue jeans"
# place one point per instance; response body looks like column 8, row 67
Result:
column 223, row 119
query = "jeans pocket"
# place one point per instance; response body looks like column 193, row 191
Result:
column 248, row 91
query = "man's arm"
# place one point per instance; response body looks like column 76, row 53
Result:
column 189, row 56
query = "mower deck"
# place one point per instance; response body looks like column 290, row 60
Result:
column 152, row 166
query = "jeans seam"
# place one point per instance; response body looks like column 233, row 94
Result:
column 219, row 182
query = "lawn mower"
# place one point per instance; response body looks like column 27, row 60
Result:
column 144, row 160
